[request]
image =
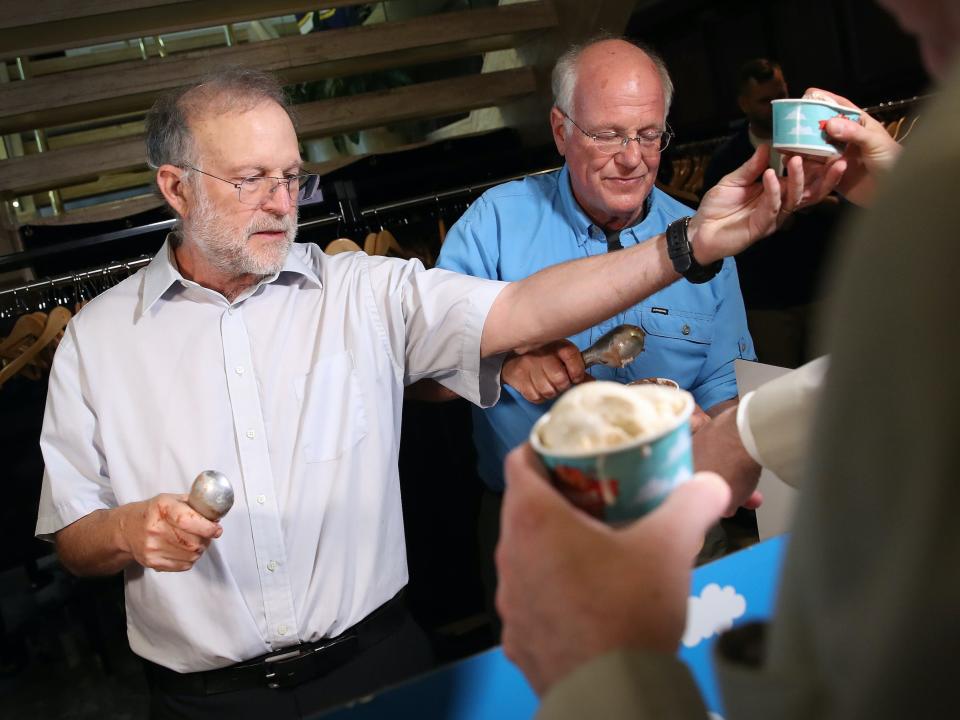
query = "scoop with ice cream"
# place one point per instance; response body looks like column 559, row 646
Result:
column 616, row 450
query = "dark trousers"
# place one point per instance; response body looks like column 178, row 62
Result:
column 399, row 656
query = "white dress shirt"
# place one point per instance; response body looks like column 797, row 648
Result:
column 295, row 392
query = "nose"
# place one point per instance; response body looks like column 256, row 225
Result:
column 630, row 155
column 277, row 200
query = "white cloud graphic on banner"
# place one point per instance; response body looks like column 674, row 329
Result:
column 712, row 612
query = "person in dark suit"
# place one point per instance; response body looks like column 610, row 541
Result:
column 780, row 280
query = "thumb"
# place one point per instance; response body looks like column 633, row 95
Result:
column 690, row 510
column 849, row 131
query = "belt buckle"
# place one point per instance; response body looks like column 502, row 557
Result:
column 289, row 667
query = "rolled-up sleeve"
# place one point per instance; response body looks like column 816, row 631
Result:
column 75, row 480
column 444, row 316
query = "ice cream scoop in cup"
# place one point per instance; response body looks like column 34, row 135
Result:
column 616, row 451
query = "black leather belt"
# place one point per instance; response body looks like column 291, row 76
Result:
column 291, row 665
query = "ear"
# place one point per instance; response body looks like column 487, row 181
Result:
column 742, row 104
column 559, row 130
column 175, row 191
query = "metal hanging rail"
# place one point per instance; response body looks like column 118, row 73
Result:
column 39, row 253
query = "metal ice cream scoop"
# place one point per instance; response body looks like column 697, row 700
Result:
column 617, row 348
column 211, row 495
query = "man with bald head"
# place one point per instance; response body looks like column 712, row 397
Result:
column 611, row 99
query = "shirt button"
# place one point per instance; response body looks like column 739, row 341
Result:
column 281, row 629
column 685, row 329
column 239, row 369
column 743, row 347
column 251, row 434
column 272, row 565
column 261, row 499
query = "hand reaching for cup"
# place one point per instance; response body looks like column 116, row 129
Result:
column 870, row 150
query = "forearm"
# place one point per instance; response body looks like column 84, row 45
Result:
column 95, row 544
column 715, row 410
column 564, row 299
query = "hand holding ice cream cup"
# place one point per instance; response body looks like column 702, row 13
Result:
column 616, row 451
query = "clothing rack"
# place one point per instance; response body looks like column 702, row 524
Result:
column 344, row 216
column 349, row 214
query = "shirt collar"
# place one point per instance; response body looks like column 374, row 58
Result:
column 580, row 221
column 162, row 273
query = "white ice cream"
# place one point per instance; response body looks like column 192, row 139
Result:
column 600, row 415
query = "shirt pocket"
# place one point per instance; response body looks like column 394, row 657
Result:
column 671, row 324
column 333, row 418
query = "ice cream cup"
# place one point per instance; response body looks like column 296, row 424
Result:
column 798, row 125
column 618, row 484
column 664, row 382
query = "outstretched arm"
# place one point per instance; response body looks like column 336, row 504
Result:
column 564, row 299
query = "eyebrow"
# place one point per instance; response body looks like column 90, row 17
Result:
column 294, row 168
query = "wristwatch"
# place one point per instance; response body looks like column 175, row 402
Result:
column 681, row 254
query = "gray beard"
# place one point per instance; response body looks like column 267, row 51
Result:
column 232, row 255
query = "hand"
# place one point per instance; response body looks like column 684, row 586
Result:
column 739, row 210
column 717, row 448
column 870, row 150
column 544, row 372
column 166, row 534
column 571, row 589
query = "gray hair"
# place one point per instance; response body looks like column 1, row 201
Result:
column 564, row 78
column 235, row 89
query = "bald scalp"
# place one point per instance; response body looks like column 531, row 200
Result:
column 599, row 54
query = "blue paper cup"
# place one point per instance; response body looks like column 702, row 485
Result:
column 798, row 126
column 622, row 483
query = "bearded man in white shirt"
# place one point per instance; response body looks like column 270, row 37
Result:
column 237, row 350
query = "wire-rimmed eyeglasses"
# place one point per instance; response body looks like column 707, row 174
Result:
column 611, row 143
column 255, row 190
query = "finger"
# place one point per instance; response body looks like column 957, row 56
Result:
column 748, row 173
column 183, row 517
column 754, row 501
column 572, row 360
column 543, row 382
column 770, row 200
column 820, row 94
column 557, row 374
column 690, row 511
column 826, row 183
column 794, row 185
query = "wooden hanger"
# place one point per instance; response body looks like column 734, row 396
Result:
column 370, row 244
column 27, row 327
column 56, row 323
column 387, row 242
column 341, row 245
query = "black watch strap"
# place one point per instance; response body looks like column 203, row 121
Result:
column 681, row 254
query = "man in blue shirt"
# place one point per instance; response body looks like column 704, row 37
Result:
column 609, row 122
column 602, row 199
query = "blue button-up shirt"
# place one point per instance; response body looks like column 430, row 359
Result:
column 694, row 332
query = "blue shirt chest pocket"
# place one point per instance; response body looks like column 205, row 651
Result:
column 676, row 332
